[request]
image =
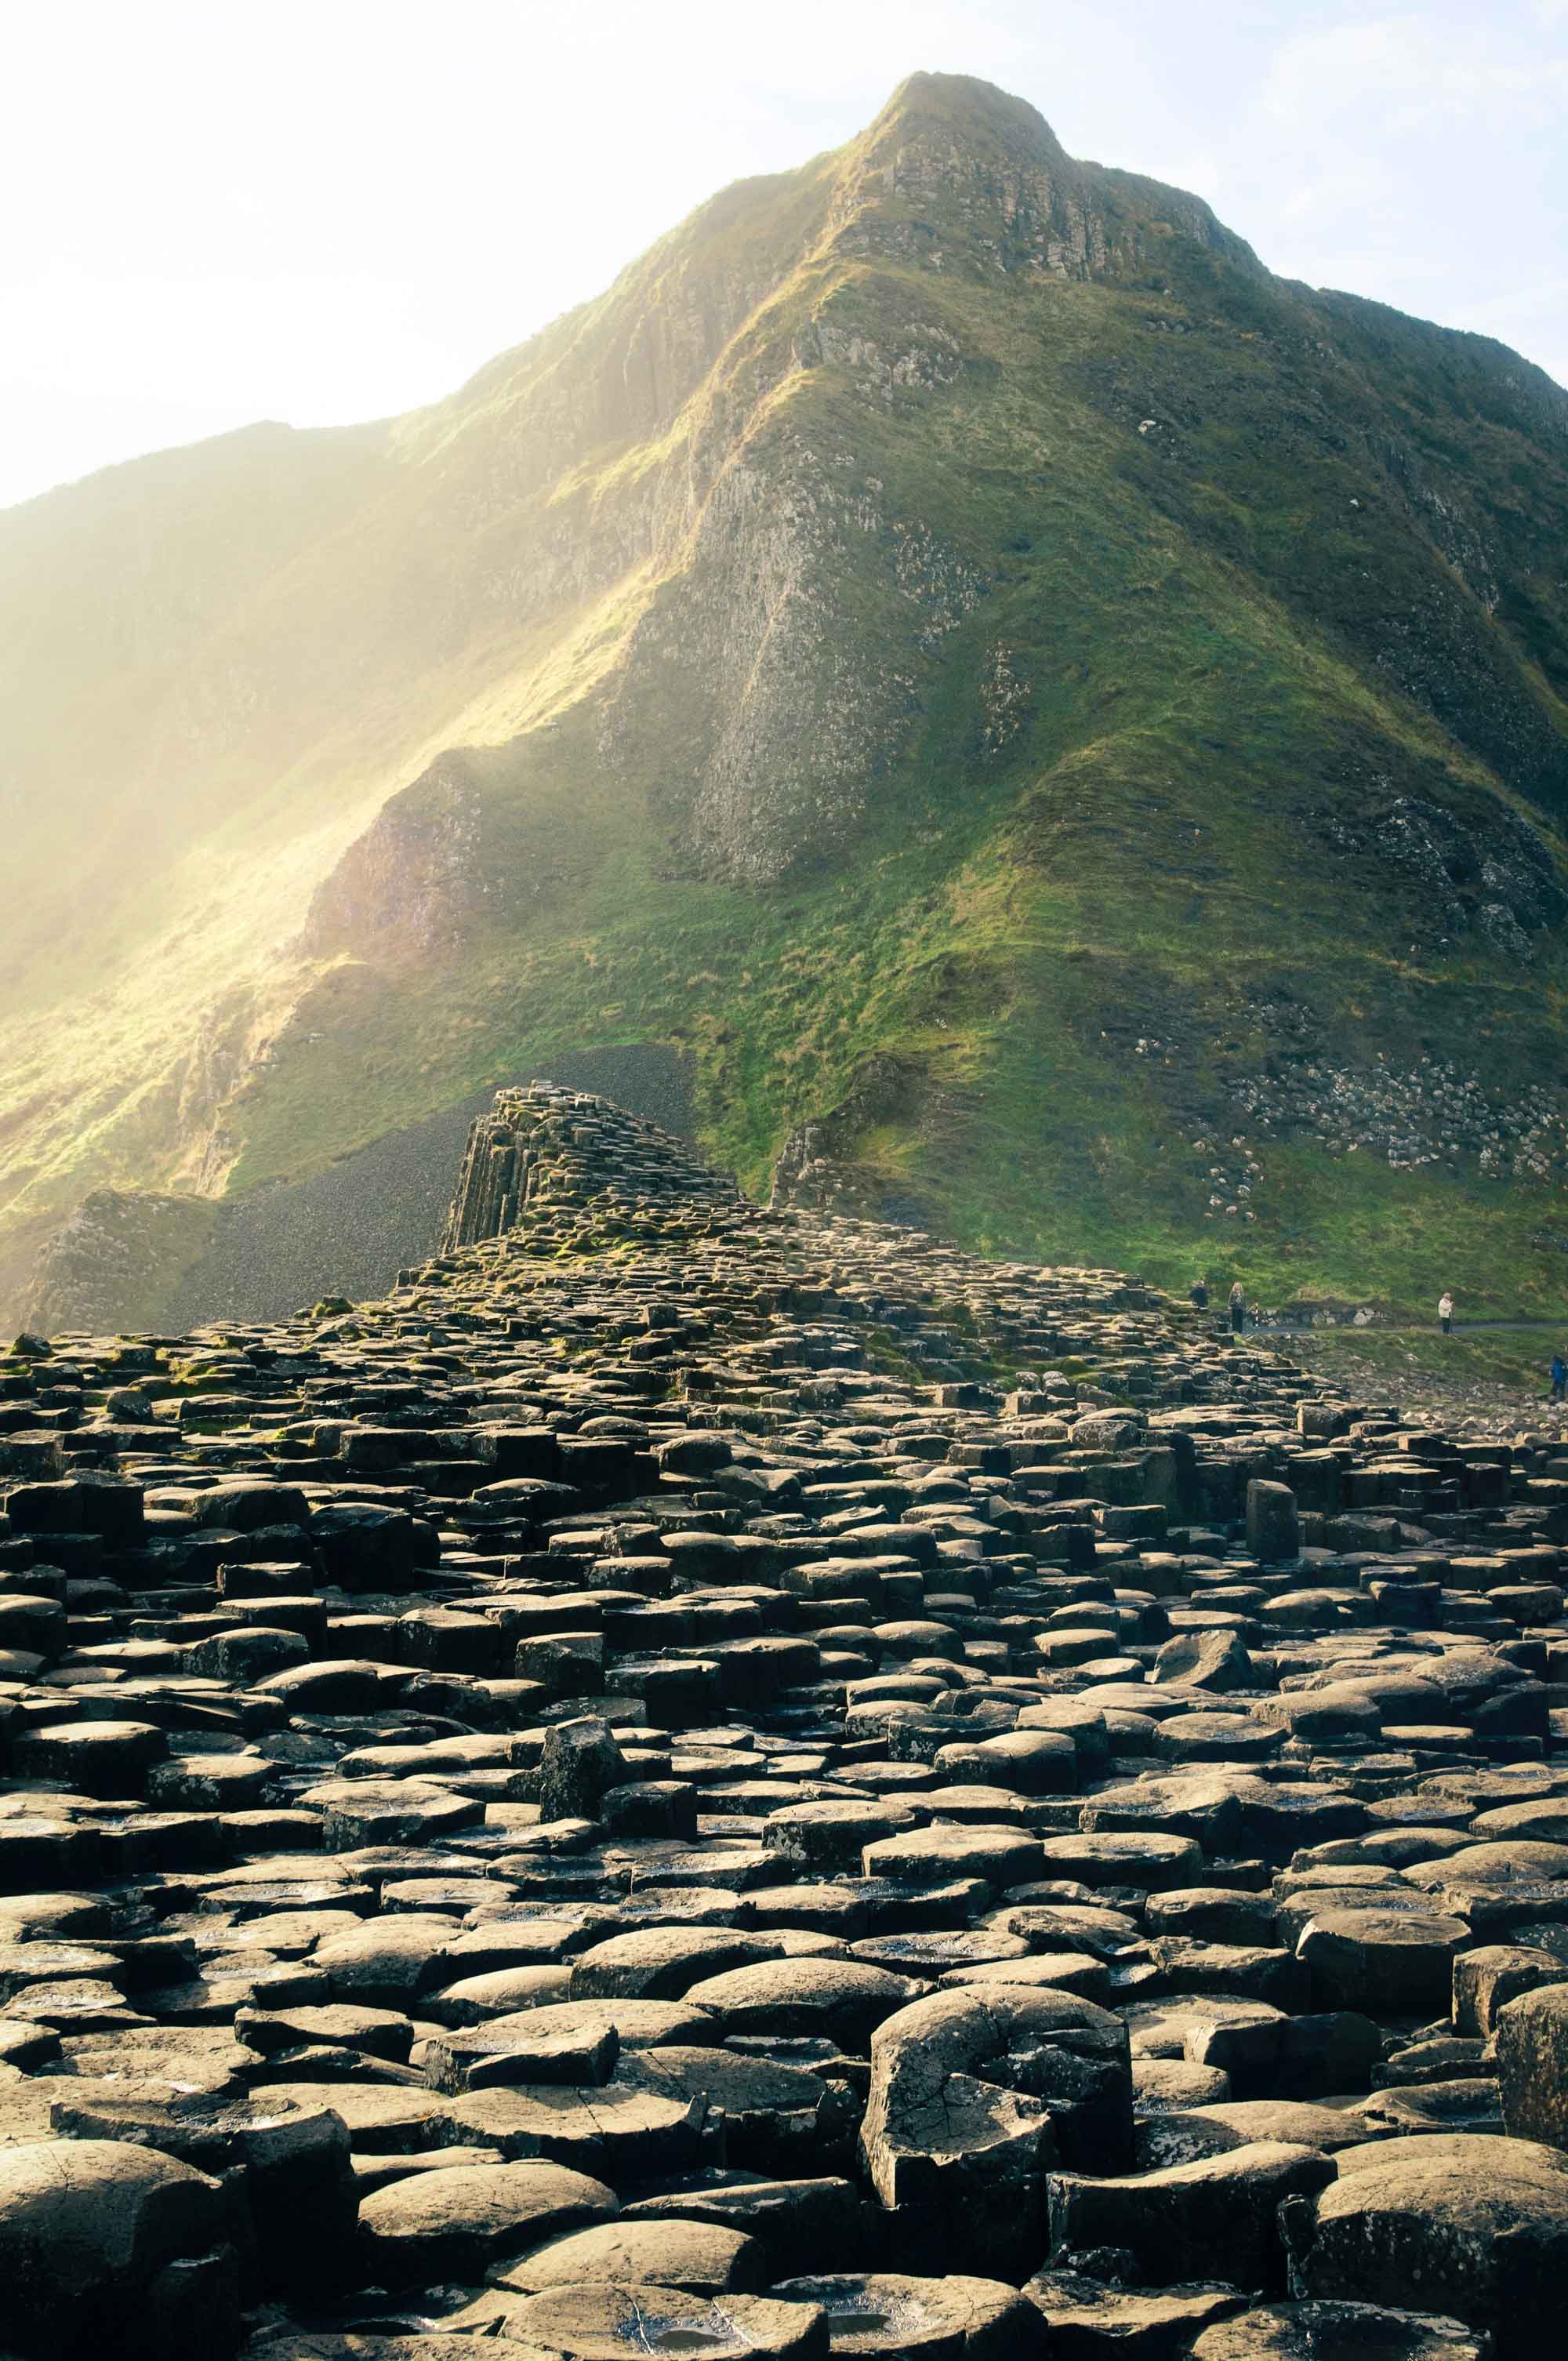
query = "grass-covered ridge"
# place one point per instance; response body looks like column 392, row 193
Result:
column 952, row 643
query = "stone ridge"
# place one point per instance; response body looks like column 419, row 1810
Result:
column 549, row 1150
column 742, row 1781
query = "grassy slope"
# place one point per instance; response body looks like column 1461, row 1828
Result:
column 1498, row 1377
column 1517, row 1357
column 1201, row 620
column 1138, row 850
column 217, row 663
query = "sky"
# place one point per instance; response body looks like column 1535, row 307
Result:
column 320, row 211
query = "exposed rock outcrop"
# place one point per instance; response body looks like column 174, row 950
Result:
column 413, row 886
column 547, row 1147
column 118, row 1259
column 702, row 1779
column 131, row 1258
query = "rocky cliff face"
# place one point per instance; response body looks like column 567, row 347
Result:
column 413, row 886
column 947, row 612
column 118, row 1260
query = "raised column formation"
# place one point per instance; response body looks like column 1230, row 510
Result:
column 703, row 1780
column 545, row 1151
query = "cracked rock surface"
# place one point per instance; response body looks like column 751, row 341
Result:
column 703, row 1780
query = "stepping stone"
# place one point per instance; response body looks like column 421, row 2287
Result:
column 98, row 1758
column 894, row 2314
column 842, row 1999
column 639, row 2126
column 603, row 2322
column 696, row 2256
column 458, row 2225
column 1151, row 1860
column 660, row 1962
column 1001, row 1856
column 1393, row 1962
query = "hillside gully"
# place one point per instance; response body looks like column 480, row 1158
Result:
column 710, row 1780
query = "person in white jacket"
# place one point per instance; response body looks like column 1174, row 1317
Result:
column 1445, row 1313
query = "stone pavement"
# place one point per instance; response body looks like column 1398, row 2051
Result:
column 734, row 1782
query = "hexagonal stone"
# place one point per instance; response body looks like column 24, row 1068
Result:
column 459, row 2224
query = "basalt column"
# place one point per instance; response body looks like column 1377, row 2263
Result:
column 569, row 1148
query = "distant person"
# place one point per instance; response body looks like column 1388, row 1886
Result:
column 1198, row 1296
column 1445, row 1313
column 1559, row 1374
column 1238, row 1307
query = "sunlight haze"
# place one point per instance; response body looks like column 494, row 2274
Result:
column 328, row 212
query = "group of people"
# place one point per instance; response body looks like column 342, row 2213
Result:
column 1198, row 1296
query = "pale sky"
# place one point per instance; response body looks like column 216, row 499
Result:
column 328, row 209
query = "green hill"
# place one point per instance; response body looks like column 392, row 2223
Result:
column 1062, row 729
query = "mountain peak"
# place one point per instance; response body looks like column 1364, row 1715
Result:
column 963, row 175
column 1059, row 729
column 962, row 106
column 957, row 174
